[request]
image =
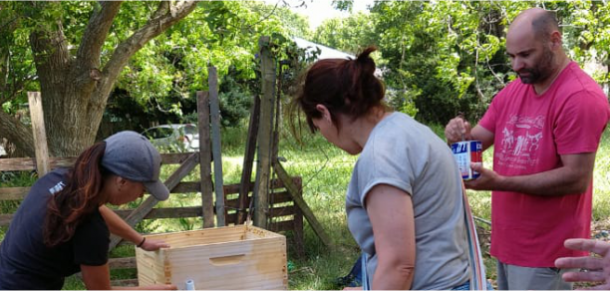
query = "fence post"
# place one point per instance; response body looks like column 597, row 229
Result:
column 246, row 174
column 265, row 136
column 216, row 147
column 40, row 135
column 205, row 159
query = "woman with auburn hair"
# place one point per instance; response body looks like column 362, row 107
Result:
column 62, row 227
column 404, row 202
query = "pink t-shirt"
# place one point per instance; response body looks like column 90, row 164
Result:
column 531, row 132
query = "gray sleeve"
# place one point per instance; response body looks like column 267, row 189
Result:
column 385, row 161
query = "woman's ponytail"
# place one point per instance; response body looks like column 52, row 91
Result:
column 80, row 196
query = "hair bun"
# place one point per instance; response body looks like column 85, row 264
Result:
column 365, row 54
column 364, row 59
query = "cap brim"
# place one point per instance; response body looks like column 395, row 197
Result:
column 157, row 189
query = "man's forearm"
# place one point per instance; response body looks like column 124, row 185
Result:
column 557, row 182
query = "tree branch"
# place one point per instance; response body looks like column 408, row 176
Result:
column 494, row 72
column 166, row 16
column 162, row 9
column 476, row 77
column 17, row 133
column 96, row 32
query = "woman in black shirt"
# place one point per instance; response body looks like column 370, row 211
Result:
column 62, row 227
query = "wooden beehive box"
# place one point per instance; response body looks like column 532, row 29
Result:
column 232, row 257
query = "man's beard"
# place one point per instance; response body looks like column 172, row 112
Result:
column 541, row 71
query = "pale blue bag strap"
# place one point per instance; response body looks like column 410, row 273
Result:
column 478, row 280
column 365, row 276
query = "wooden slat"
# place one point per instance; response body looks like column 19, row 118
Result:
column 187, row 187
column 233, row 189
column 287, row 225
column 177, row 158
column 176, row 212
column 275, row 184
column 29, row 164
column 246, row 173
column 263, row 170
column 277, row 198
column 294, row 190
column 146, row 206
column 122, row 263
column 40, row 134
column 192, row 187
column 205, row 173
column 273, row 213
column 19, row 193
column 172, row 212
column 5, row 219
column 216, row 146
column 281, row 211
column 13, row 193
column 298, row 245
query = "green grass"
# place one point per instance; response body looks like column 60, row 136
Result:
column 601, row 180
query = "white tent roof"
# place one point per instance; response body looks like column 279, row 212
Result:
column 326, row 52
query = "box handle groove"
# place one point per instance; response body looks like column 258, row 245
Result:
column 227, row 260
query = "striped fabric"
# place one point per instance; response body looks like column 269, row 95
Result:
column 478, row 280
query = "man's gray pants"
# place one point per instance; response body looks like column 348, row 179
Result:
column 511, row 277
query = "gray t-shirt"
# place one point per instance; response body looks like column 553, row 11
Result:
column 406, row 154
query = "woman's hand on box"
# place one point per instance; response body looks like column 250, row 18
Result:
column 153, row 245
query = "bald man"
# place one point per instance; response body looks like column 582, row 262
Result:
column 545, row 127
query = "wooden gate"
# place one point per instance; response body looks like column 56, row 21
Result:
column 284, row 212
column 277, row 204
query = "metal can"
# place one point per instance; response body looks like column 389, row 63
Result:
column 465, row 153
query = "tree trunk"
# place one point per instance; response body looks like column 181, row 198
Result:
column 75, row 89
column 62, row 100
column 16, row 133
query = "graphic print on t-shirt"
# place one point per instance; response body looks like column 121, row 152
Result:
column 60, row 186
column 520, row 139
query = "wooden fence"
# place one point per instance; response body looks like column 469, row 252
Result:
column 284, row 214
column 277, row 204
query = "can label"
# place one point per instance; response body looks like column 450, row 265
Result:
column 465, row 153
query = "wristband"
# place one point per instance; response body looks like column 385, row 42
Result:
column 141, row 243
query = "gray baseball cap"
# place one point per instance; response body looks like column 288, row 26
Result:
column 130, row 155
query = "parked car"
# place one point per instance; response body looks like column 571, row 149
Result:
column 174, row 137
